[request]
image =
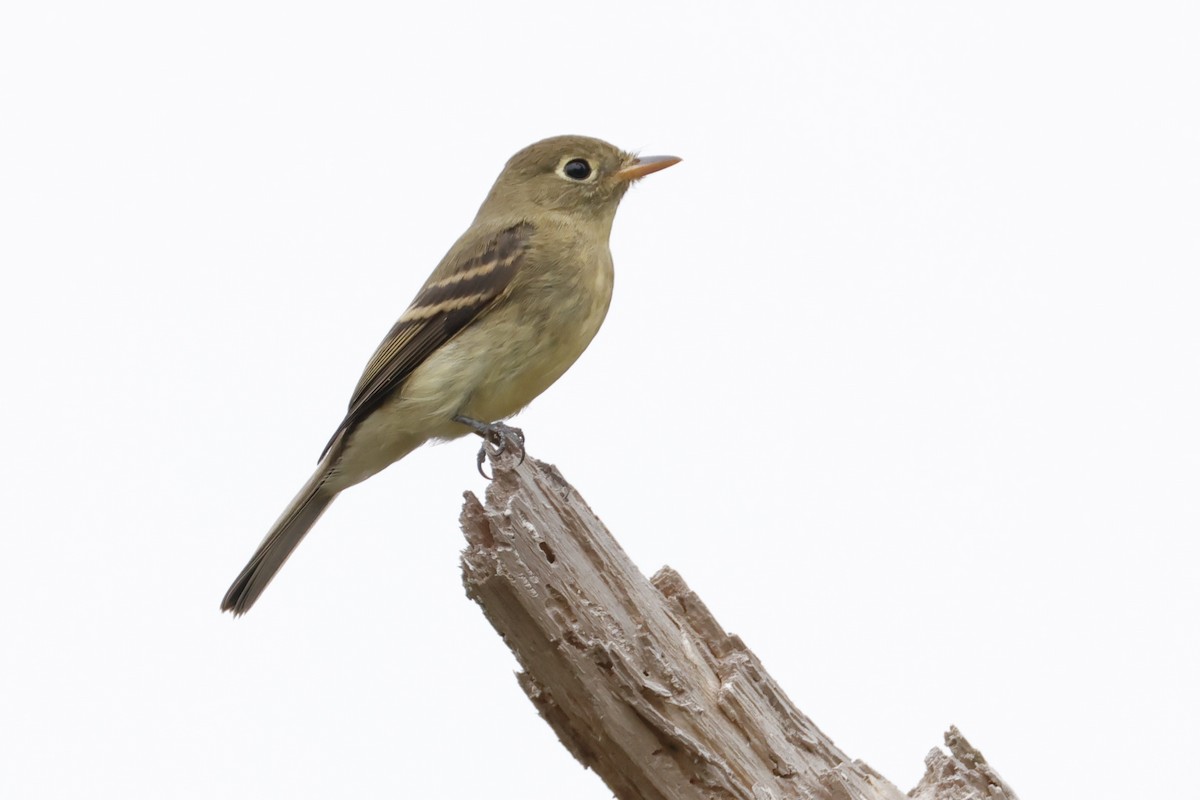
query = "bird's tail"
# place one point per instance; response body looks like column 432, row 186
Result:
column 285, row 534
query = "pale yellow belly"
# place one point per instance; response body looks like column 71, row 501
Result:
column 488, row 372
column 528, row 345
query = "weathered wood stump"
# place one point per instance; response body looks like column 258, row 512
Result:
column 636, row 676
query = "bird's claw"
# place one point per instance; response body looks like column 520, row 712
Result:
column 499, row 436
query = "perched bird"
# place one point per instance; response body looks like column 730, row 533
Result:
column 510, row 307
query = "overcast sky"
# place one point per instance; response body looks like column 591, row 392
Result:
column 901, row 374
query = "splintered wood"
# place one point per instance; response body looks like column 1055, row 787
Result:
column 638, row 679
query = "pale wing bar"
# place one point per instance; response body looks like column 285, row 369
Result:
column 441, row 309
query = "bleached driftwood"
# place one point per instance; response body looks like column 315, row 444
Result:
column 963, row 774
column 638, row 679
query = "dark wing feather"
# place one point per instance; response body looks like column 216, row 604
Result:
column 453, row 296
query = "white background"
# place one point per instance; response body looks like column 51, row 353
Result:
column 900, row 374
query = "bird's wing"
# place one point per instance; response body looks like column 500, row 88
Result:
column 455, row 295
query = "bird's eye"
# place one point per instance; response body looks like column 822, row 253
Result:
column 577, row 169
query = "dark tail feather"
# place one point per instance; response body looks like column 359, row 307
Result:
column 302, row 514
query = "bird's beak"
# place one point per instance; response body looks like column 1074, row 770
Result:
column 641, row 167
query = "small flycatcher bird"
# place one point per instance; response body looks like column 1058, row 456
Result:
column 513, row 304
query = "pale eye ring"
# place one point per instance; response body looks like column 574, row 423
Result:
column 577, row 169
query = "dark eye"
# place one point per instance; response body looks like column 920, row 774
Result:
column 577, row 169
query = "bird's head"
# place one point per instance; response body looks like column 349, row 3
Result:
column 570, row 174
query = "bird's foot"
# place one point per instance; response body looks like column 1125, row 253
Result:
column 501, row 437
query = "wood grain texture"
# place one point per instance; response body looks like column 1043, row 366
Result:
column 635, row 675
column 961, row 774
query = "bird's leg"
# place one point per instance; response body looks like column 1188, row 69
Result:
column 496, row 434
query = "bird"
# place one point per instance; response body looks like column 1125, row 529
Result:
column 510, row 307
